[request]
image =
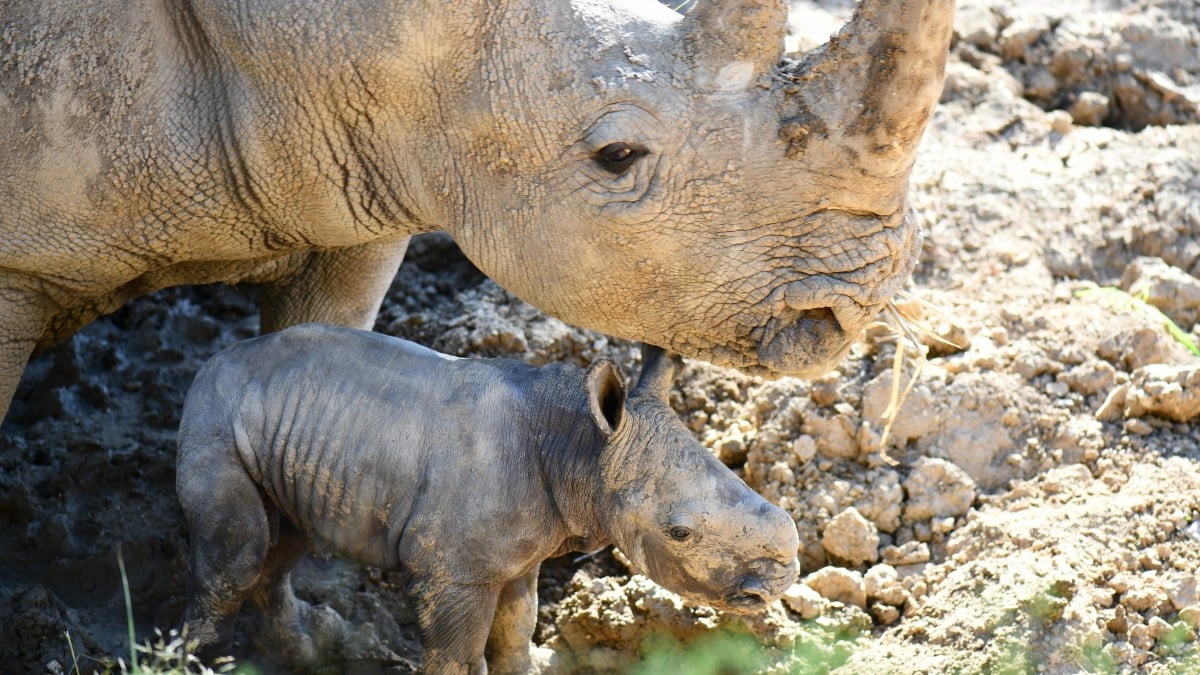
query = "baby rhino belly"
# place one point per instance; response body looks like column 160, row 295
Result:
column 343, row 513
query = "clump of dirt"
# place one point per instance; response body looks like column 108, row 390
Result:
column 1121, row 64
column 1037, row 503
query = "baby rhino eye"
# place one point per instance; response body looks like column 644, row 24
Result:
column 679, row 533
column 618, row 157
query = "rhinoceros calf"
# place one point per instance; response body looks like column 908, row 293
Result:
column 465, row 474
column 657, row 177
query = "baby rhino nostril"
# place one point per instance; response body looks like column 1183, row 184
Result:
column 755, row 593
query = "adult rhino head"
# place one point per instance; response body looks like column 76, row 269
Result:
column 658, row 177
column 668, row 179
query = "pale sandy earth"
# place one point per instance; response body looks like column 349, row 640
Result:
column 1043, row 510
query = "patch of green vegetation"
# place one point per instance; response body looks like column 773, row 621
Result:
column 1012, row 658
column 1095, row 659
column 818, row 650
column 721, row 653
column 1048, row 605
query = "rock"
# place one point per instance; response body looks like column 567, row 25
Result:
column 835, row 436
column 977, row 25
column 1069, row 479
column 1040, row 85
column 803, row 600
column 884, row 614
column 937, row 488
column 1164, row 390
column 1138, row 427
column 1025, row 29
column 883, row 501
column 1089, row 109
column 1090, row 378
column 1134, row 348
column 1060, row 121
column 1081, row 438
column 838, row 584
column 1113, row 407
column 910, row 553
column 805, row 448
column 917, row 417
column 881, row 583
column 1142, row 599
column 851, row 538
column 1172, row 290
column 1184, row 592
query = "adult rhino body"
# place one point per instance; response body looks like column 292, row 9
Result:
column 624, row 168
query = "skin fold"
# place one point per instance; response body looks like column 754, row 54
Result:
column 657, row 177
column 464, row 474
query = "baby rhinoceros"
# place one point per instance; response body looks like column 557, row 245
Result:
column 464, row 474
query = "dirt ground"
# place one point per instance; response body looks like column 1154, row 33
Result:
column 1037, row 508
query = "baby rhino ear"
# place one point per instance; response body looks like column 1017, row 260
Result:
column 606, row 395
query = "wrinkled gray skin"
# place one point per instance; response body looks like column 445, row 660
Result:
column 463, row 473
column 656, row 177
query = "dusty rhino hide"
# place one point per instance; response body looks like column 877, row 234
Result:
column 654, row 176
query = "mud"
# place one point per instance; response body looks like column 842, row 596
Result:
column 1043, row 509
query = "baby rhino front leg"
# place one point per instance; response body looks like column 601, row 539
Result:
column 454, row 620
column 509, row 646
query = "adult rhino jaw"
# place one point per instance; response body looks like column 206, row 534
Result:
column 818, row 317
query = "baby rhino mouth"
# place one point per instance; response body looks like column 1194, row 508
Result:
column 746, row 600
column 755, row 592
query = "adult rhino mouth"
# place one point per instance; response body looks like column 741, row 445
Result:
column 807, row 345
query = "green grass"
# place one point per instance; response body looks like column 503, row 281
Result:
column 818, row 648
column 170, row 654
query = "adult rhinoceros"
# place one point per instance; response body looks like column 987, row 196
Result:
column 654, row 176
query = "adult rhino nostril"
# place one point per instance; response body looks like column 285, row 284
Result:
column 820, row 322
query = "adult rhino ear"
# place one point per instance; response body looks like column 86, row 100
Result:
column 606, row 395
column 731, row 43
column 659, row 370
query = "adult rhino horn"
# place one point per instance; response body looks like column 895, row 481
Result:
column 731, row 44
column 856, row 107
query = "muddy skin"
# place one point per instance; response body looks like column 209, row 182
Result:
column 465, row 475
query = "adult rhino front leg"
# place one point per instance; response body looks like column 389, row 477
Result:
column 342, row 286
column 24, row 314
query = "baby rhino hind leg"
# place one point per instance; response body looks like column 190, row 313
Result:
column 230, row 537
column 307, row 637
column 289, row 623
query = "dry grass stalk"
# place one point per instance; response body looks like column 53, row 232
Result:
column 903, row 320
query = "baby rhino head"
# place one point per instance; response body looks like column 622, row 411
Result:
column 679, row 514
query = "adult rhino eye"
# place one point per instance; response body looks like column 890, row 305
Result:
column 679, row 533
column 618, row 157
